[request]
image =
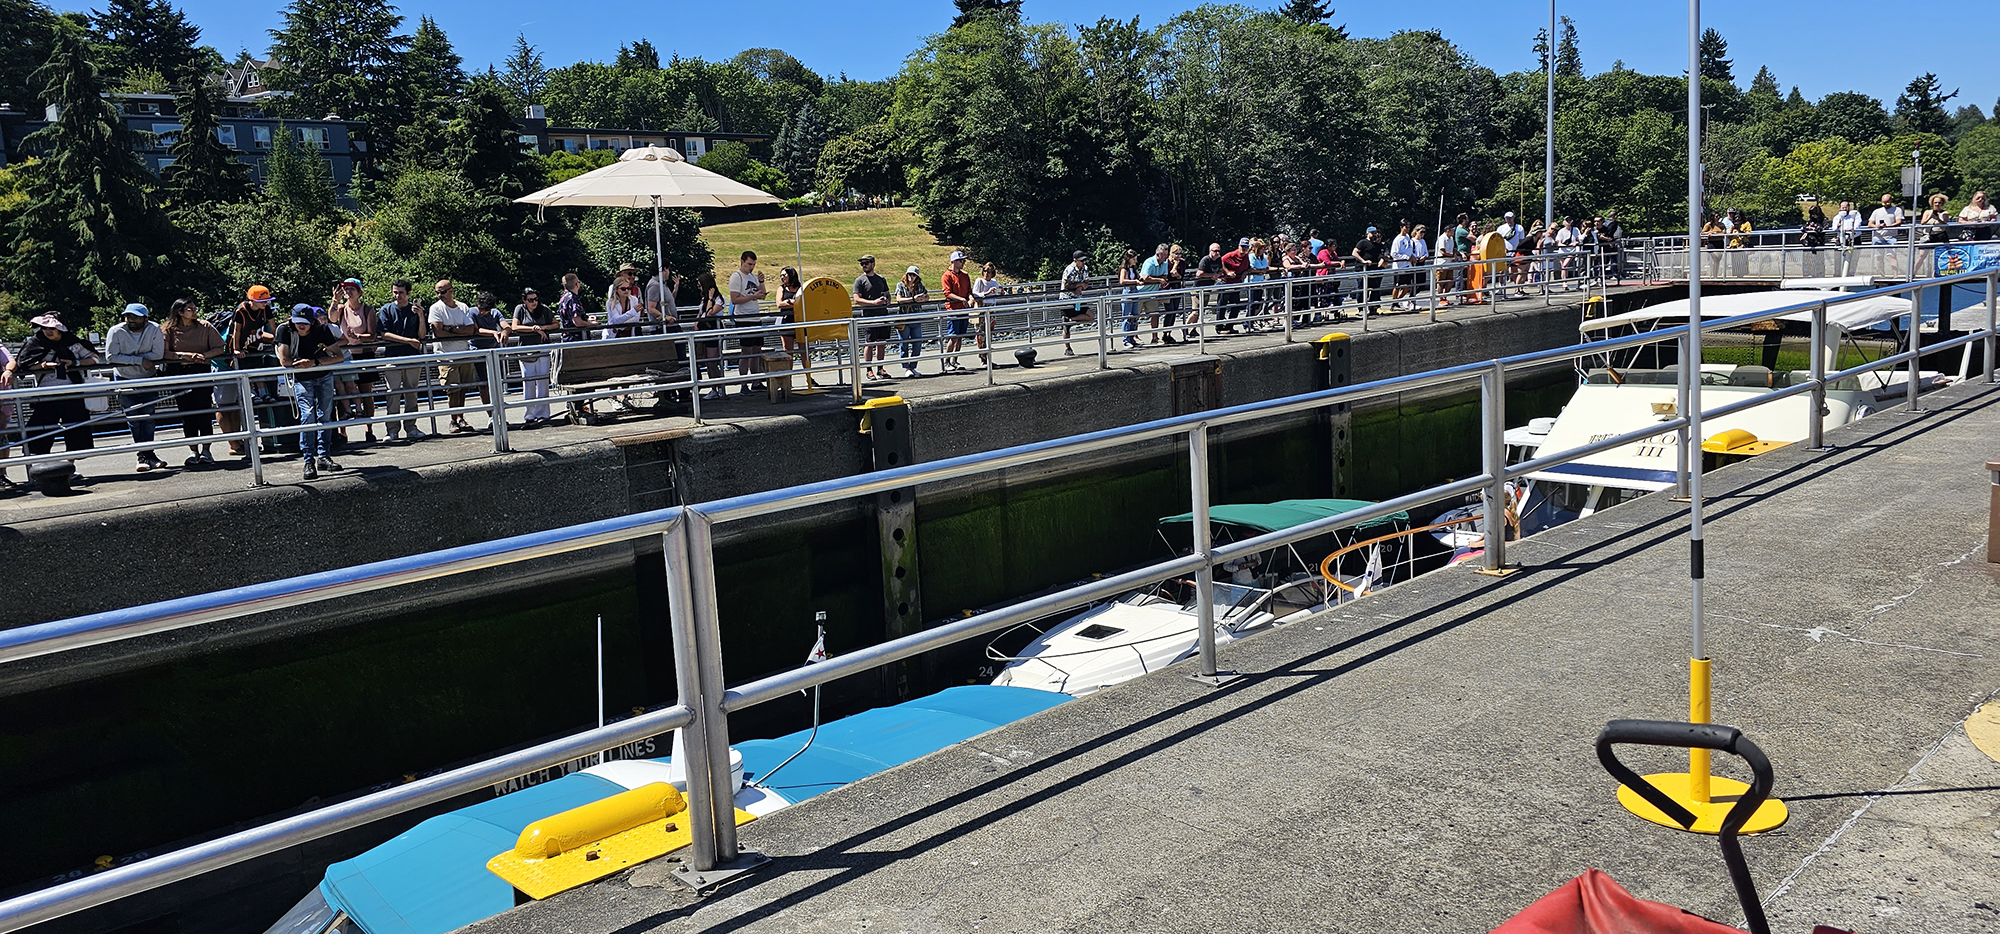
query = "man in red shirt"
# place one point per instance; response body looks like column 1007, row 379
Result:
column 1235, row 265
column 957, row 297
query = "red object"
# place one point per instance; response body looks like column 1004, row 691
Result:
column 1594, row 903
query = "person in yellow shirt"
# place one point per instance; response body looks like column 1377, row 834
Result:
column 1711, row 241
column 1737, row 227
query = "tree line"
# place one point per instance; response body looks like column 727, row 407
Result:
column 1021, row 140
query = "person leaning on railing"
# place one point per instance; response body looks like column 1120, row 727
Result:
column 1978, row 216
column 532, row 324
column 308, row 346
column 134, row 349
column 403, row 328
column 55, row 357
column 192, row 344
column 252, row 336
column 1935, row 222
column 450, row 322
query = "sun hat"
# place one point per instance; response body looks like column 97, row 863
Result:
column 257, row 293
column 49, row 321
column 138, row 311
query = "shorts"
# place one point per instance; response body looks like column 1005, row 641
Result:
column 457, row 375
column 362, row 378
column 957, row 327
column 875, row 333
column 1078, row 313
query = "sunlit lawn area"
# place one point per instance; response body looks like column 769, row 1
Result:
column 831, row 243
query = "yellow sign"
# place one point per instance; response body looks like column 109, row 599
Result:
column 824, row 299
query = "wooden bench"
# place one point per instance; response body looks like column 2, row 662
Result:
column 595, row 366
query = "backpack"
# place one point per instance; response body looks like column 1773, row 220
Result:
column 221, row 321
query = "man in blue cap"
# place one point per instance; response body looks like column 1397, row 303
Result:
column 134, row 349
column 306, row 346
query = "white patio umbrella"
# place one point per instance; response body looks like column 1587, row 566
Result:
column 655, row 176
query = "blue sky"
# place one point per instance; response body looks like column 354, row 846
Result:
column 869, row 39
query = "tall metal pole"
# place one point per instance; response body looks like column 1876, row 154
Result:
column 1549, row 134
column 1698, row 661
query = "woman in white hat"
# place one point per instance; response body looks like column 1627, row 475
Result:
column 55, row 357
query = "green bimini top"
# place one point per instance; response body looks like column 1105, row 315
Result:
column 1284, row 514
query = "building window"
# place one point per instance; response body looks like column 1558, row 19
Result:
column 316, row 137
column 166, row 134
column 226, row 135
column 600, row 144
column 260, row 137
column 529, row 142
column 695, row 149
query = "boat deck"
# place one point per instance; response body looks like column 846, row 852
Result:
column 1421, row 760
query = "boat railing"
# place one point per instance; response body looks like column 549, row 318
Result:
column 1780, row 254
column 693, row 615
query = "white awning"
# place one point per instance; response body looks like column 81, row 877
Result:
column 1850, row 314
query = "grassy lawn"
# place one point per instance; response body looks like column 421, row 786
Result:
column 831, row 244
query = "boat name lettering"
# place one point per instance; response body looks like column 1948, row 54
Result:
column 637, row 749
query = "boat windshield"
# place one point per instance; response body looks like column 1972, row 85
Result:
column 1230, row 597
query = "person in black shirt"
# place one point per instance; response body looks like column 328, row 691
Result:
column 532, row 324
column 308, row 345
column 1372, row 254
column 871, row 300
column 400, row 324
column 57, row 358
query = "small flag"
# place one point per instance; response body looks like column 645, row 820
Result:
column 818, row 653
column 1371, row 577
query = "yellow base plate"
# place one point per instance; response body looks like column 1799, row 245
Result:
column 541, row 878
column 1723, row 795
column 1983, row 727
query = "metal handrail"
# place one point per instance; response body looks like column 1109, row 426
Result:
column 689, row 556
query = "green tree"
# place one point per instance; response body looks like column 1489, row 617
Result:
column 1920, row 108
column 969, row 10
column 343, row 57
column 432, row 70
column 150, row 35
column 297, row 176
column 1856, row 116
column 1714, row 52
column 1967, row 117
column 91, row 235
column 640, row 55
column 525, row 77
column 863, row 161
column 560, row 166
column 1569, row 59
column 27, row 32
column 796, row 150
column 1306, row 12
column 267, row 243
column 1978, row 154
column 419, row 230
column 849, row 105
column 729, row 160
column 613, row 237
column 203, row 170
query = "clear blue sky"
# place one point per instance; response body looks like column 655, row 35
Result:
column 1819, row 45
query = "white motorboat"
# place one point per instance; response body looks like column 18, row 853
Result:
column 1149, row 629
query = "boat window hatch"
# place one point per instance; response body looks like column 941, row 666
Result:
column 1098, row 631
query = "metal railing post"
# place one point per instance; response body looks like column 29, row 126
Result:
column 1992, row 311
column 694, row 378
column 496, row 385
column 1204, row 577
column 1689, row 372
column 1287, row 309
column 1103, row 345
column 255, row 444
column 687, row 673
column 854, row 352
column 1816, row 417
column 1493, row 453
column 986, row 313
column 1916, row 342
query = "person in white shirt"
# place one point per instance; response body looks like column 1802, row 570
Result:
column 1402, row 249
column 1885, row 219
column 984, row 290
column 746, row 289
column 1450, row 277
column 1569, row 241
column 135, row 348
column 622, row 309
column 1846, row 222
column 451, row 323
column 1980, row 212
column 1510, row 230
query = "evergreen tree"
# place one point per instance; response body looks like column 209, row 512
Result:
column 1569, row 61
column 1920, row 108
column 297, row 177
column 90, row 235
column 1541, row 51
column 525, row 77
column 432, row 70
column 1764, row 82
column 796, row 151
column 339, row 57
column 27, row 30
column 1302, row 12
column 147, row 34
column 1968, row 117
column 639, row 56
column 969, row 10
column 1854, row 116
column 204, row 170
column 1715, row 57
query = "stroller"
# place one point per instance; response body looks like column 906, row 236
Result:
column 1593, row 903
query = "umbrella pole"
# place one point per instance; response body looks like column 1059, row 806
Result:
column 660, row 261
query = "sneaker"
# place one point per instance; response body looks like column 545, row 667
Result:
column 193, row 460
column 145, row 465
column 312, row 473
column 910, row 372
column 415, row 434
column 713, row 395
column 1069, row 352
column 326, row 463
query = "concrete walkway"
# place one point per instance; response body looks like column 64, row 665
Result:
column 113, row 485
column 1422, row 761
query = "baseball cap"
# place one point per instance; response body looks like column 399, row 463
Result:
column 1370, row 230
column 138, row 310
column 1076, row 255
column 913, row 270
column 353, row 282
column 1508, row 214
column 304, row 312
column 1243, row 242
column 957, row 255
column 257, row 293
column 867, row 258
column 530, row 290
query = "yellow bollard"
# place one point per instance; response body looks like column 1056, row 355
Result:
column 1707, row 797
